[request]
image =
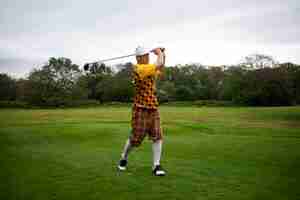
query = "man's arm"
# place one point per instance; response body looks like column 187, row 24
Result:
column 161, row 57
column 152, row 69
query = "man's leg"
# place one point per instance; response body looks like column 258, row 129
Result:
column 127, row 148
column 157, row 137
column 157, row 149
column 136, row 137
column 123, row 162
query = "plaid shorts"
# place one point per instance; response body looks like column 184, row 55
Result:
column 145, row 122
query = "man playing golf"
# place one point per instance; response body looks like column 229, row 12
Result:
column 145, row 115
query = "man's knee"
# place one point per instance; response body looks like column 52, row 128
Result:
column 135, row 142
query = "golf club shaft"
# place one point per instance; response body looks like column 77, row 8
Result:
column 115, row 58
column 109, row 59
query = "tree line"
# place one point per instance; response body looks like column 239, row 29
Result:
column 59, row 82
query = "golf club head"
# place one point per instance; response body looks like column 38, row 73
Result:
column 102, row 65
column 94, row 67
column 86, row 67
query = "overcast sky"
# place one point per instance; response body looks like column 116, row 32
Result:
column 210, row 32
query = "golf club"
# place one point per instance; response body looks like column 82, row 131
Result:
column 87, row 66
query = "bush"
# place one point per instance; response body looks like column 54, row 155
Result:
column 69, row 104
column 212, row 103
column 14, row 104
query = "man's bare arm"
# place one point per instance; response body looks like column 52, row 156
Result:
column 161, row 58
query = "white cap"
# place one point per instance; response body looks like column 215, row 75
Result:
column 139, row 51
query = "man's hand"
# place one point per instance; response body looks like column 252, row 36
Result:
column 160, row 62
column 157, row 51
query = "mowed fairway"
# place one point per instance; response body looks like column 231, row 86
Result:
column 210, row 153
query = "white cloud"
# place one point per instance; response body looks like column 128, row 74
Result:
column 209, row 32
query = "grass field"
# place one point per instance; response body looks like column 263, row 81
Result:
column 210, row 153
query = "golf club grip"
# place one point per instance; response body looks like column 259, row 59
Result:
column 161, row 48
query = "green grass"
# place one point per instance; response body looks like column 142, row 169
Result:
column 210, row 153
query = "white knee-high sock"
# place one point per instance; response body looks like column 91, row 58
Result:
column 157, row 149
column 126, row 150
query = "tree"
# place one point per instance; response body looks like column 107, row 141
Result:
column 53, row 84
column 234, row 80
column 166, row 91
column 95, row 78
column 293, row 73
column 7, row 88
column 119, row 87
column 23, row 90
column 258, row 61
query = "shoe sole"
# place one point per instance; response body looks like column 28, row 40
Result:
column 121, row 168
column 159, row 174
